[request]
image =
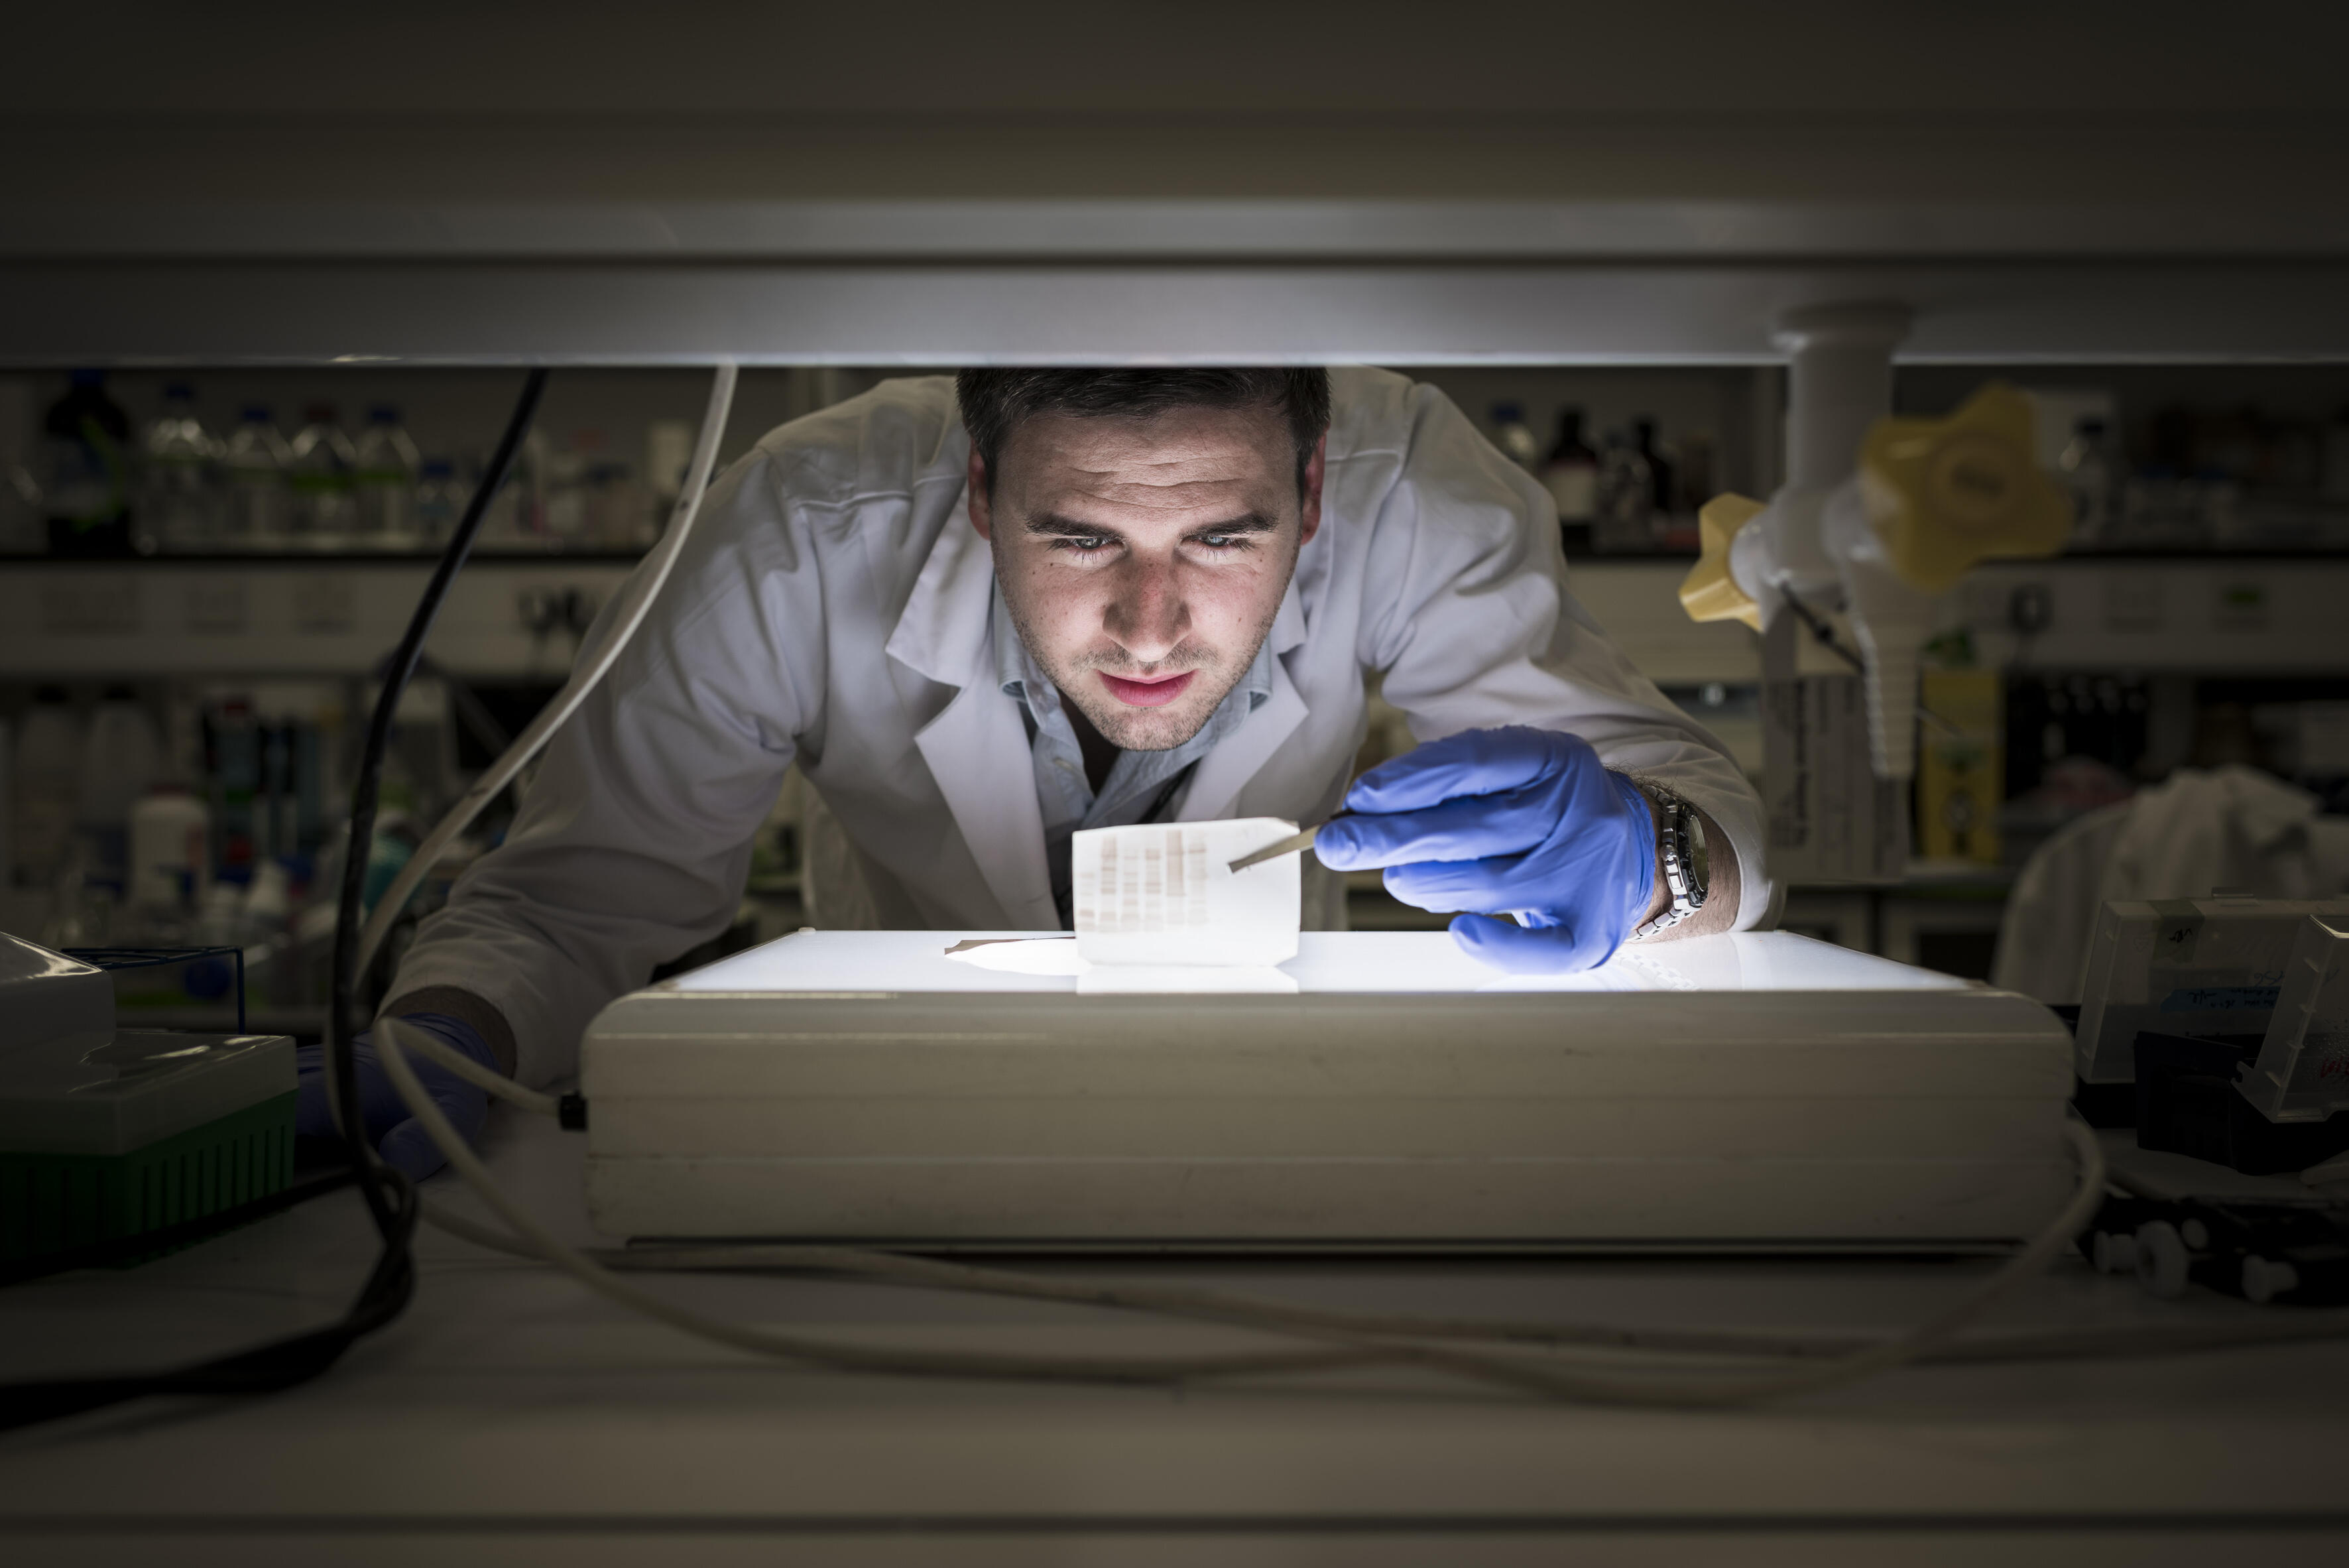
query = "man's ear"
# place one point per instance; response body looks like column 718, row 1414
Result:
column 982, row 512
column 1311, row 512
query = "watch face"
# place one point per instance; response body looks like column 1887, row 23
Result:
column 1700, row 870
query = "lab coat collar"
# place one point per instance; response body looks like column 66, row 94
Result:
column 976, row 748
column 943, row 632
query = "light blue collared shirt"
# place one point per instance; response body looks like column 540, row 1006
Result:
column 1142, row 786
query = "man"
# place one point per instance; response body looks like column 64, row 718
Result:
column 984, row 613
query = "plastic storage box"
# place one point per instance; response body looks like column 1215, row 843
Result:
column 106, row 1134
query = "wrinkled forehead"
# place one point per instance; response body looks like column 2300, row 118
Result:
column 1180, row 456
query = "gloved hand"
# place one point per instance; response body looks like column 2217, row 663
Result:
column 396, row 1135
column 1519, row 821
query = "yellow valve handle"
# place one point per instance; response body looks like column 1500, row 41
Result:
column 1945, row 493
column 1709, row 593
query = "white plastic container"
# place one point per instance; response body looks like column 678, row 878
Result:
column 171, row 851
column 45, row 778
column 2185, row 966
column 7, row 806
column 2302, row 1071
column 121, row 757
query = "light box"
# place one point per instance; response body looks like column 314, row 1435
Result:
column 1739, row 1091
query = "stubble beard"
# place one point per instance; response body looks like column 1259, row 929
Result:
column 1130, row 728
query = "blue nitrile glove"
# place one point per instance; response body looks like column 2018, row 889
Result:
column 396, row 1135
column 1506, row 821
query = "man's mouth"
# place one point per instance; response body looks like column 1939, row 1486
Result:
column 1155, row 693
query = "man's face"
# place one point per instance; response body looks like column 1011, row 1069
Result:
column 1143, row 559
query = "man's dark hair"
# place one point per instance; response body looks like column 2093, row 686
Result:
column 994, row 402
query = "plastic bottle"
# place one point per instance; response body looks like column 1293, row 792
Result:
column 260, row 502
column 178, row 495
column 7, row 807
column 122, row 756
column 170, row 853
column 563, row 481
column 235, row 783
column 24, row 523
column 1514, row 436
column 1625, row 499
column 47, row 777
column 1663, row 489
column 439, row 502
column 319, row 466
column 268, row 900
column 86, row 488
column 2333, row 459
column 2092, row 471
column 668, row 452
column 384, row 476
column 1571, row 475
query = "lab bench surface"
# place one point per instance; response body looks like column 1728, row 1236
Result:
column 510, row 1416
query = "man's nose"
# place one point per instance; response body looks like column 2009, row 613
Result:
column 1148, row 617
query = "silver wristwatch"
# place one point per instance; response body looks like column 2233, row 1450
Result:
column 1681, row 853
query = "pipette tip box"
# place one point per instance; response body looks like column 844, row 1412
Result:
column 108, row 1134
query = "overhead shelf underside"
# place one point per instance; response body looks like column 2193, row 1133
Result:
column 911, row 307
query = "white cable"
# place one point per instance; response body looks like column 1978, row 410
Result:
column 487, row 1078
column 903, row 1269
column 1352, row 1347
column 586, row 670
column 551, row 1249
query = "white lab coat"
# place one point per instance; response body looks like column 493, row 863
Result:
column 832, row 609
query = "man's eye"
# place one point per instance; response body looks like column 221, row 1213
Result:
column 1224, row 540
column 1083, row 544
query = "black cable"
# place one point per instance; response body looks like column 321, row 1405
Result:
column 390, row 1197
column 351, row 915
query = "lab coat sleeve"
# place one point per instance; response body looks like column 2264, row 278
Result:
column 1468, row 617
column 634, row 840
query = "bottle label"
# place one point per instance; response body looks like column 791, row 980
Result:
column 1574, row 487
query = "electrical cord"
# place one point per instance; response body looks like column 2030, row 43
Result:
column 487, row 1079
column 2113, row 1343
column 586, row 671
column 1362, row 1339
column 391, row 1199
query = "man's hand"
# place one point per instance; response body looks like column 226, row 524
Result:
column 1508, row 822
column 396, row 1133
